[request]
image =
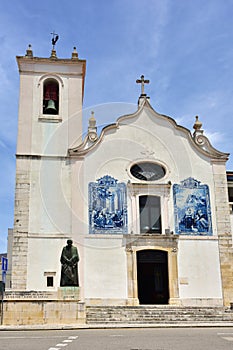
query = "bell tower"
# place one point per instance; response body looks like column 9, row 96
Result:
column 51, row 95
column 49, row 121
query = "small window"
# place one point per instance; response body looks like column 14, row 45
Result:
column 150, row 214
column 49, row 281
column 147, row 171
column 230, row 194
column 51, row 97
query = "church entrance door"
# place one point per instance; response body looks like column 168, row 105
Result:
column 152, row 275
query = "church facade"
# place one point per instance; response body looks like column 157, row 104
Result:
column 145, row 201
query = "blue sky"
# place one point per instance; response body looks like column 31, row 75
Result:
column 185, row 48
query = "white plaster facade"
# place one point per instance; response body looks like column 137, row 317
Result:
column 55, row 167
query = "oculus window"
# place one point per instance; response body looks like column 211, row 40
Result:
column 147, row 171
column 150, row 214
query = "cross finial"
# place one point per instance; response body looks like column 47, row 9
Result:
column 142, row 81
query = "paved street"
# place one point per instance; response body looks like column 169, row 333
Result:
column 120, row 339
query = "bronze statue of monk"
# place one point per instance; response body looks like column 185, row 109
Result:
column 69, row 260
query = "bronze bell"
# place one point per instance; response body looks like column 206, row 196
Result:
column 51, row 109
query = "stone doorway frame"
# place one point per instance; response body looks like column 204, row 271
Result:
column 135, row 243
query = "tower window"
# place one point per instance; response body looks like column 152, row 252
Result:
column 150, row 214
column 51, row 97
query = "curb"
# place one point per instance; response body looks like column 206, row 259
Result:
column 114, row 326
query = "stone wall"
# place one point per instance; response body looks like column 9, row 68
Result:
column 40, row 308
column 225, row 236
column 39, row 312
column 20, row 232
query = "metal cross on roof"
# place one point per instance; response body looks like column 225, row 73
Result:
column 142, row 81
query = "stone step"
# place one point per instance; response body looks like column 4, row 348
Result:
column 156, row 314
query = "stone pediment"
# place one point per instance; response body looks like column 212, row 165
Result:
column 197, row 140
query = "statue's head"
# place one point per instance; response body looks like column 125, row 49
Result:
column 69, row 242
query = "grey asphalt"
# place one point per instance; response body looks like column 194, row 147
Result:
column 119, row 339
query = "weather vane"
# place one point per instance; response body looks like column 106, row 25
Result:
column 54, row 39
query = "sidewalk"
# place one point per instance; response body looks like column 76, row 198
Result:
column 113, row 326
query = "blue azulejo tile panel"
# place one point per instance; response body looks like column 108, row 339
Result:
column 107, row 206
column 192, row 208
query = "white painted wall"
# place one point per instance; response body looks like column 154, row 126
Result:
column 50, row 196
column 105, row 268
column 43, row 256
column 37, row 136
column 59, row 191
column 199, row 269
column 148, row 137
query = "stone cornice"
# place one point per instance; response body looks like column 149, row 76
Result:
column 46, row 60
column 40, row 156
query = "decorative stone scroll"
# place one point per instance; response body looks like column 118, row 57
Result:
column 107, row 206
column 192, row 208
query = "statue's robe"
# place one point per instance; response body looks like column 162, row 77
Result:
column 69, row 271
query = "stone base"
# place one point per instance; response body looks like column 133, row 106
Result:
column 69, row 293
column 33, row 308
column 132, row 302
column 175, row 301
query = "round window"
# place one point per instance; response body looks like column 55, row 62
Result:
column 147, row 171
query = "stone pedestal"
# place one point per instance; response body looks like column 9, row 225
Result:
column 37, row 307
column 69, row 293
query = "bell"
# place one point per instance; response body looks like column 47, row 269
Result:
column 51, row 109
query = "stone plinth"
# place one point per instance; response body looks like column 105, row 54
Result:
column 32, row 308
column 68, row 293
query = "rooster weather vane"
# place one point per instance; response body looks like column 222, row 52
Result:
column 54, row 39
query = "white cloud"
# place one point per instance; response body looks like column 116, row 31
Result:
column 3, row 144
column 215, row 137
